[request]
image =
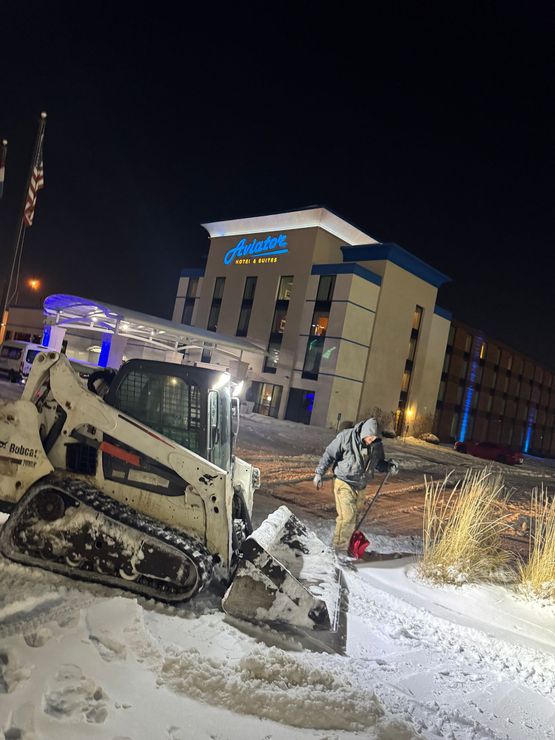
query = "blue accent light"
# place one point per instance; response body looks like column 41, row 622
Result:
column 46, row 336
column 529, row 429
column 399, row 256
column 105, row 350
column 268, row 247
column 527, row 440
column 342, row 269
column 309, row 397
column 469, row 390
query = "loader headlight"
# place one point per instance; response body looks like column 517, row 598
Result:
column 237, row 390
column 221, row 381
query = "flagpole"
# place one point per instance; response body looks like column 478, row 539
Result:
column 3, row 158
column 18, row 247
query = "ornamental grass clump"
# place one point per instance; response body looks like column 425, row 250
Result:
column 537, row 576
column 462, row 529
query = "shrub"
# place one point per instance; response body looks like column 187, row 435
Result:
column 462, row 529
column 537, row 576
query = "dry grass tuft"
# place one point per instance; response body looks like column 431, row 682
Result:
column 537, row 576
column 462, row 529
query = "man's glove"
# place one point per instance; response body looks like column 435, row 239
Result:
column 317, row 481
column 393, row 468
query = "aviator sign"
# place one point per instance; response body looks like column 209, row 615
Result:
column 257, row 252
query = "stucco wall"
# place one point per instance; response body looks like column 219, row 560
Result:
column 400, row 293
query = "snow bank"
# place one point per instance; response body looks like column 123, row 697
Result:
column 275, row 685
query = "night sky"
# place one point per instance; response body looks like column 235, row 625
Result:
column 431, row 129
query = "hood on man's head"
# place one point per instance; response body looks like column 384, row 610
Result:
column 369, row 429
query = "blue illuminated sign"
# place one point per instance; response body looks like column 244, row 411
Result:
column 470, row 388
column 257, row 251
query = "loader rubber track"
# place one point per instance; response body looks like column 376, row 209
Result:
column 68, row 526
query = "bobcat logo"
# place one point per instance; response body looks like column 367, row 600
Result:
column 3, row 444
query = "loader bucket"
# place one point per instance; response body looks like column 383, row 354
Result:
column 286, row 575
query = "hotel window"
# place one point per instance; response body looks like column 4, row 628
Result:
column 246, row 307
column 454, row 426
column 441, row 394
column 483, row 350
column 216, row 304
column 278, row 323
column 190, row 298
column 412, row 350
column 318, row 327
column 490, row 403
column 405, row 382
column 510, row 362
column 417, row 318
column 497, row 356
column 325, row 289
column 468, row 343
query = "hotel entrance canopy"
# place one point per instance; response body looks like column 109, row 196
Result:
column 75, row 312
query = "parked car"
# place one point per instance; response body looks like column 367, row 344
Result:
column 17, row 357
column 491, row 451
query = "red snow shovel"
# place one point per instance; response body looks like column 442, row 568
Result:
column 358, row 542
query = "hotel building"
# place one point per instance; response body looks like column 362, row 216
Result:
column 348, row 323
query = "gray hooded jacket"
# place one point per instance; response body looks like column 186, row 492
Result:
column 347, row 454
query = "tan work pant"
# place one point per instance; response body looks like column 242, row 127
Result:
column 346, row 500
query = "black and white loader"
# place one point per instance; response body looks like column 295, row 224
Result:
column 140, row 488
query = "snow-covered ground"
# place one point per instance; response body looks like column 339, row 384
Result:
column 82, row 661
column 471, row 662
column 288, row 452
column 9, row 391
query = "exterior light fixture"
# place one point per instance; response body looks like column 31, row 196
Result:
column 238, row 388
column 223, row 379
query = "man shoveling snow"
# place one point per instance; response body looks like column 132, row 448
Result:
column 354, row 454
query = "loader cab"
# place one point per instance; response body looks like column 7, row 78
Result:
column 190, row 405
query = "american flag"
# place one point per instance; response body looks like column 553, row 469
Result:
column 36, row 183
column 3, row 153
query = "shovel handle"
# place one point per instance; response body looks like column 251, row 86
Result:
column 363, row 517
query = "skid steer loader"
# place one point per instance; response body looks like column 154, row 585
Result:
column 140, row 489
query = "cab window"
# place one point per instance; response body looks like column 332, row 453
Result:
column 167, row 404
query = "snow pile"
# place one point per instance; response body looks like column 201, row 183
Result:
column 275, row 685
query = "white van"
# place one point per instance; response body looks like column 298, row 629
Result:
column 17, row 357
